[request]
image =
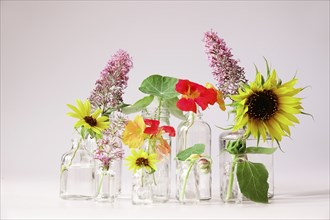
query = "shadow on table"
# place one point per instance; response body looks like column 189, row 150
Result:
column 303, row 197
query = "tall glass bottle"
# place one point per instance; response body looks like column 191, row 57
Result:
column 161, row 187
column 190, row 132
column 116, row 168
column 225, row 163
column 77, row 178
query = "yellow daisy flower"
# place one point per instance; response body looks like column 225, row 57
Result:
column 133, row 134
column 141, row 159
column 267, row 107
column 87, row 119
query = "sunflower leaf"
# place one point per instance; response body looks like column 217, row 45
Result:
column 252, row 180
column 139, row 105
column 185, row 154
column 161, row 86
column 260, row 150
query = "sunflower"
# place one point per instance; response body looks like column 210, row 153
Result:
column 141, row 159
column 267, row 107
column 91, row 121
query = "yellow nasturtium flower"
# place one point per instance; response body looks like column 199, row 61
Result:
column 133, row 134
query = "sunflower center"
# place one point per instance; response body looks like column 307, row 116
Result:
column 90, row 120
column 142, row 162
column 262, row 105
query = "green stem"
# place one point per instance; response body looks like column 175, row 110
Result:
column 231, row 179
column 159, row 108
column 153, row 176
column 185, row 138
column 185, row 180
column 100, row 184
column 142, row 172
column 74, row 154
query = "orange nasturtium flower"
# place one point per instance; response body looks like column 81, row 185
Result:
column 194, row 94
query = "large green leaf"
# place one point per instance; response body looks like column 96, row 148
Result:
column 185, row 154
column 139, row 105
column 252, row 180
column 260, row 150
column 161, row 86
column 171, row 106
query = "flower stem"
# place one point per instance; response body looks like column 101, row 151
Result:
column 231, row 179
column 185, row 180
column 159, row 108
column 153, row 176
column 74, row 154
column 100, row 184
column 142, row 171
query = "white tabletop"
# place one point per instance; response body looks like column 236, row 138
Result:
column 40, row 200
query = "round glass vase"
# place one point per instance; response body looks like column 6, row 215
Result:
column 193, row 131
column 77, row 177
column 105, row 184
column 226, row 169
column 188, row 187
column 142, row 188
column 161, row 188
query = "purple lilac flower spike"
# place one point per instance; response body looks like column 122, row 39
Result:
column 225, row 69
column 113, row 80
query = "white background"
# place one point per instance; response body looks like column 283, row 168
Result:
column 53, row 51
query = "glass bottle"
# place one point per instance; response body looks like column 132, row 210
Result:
column 117, row 169
column 190, row 132
column 77, row 178
column 225, row 161
column 142, row 188
column 188, row 185
column 105, row 184
column 161, row 184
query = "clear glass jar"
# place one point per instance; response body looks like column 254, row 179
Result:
column 142, row 188
column 190, row 132
column 162, row 179
column 117, row 169
column 225, row 162
column 77, row 178
column 188, row 187
column 106, row 184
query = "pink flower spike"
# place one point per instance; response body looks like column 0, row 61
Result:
column 225, row 69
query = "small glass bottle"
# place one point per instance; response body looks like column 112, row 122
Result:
column 105, row 184
column 77, row 178
column 142, row 188
column 190, row 132
column 161, row 184
column 188, row 187
column 225, row 161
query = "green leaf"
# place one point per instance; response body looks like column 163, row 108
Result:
column 252, row 180
column 139, row 105
column 161, row 86
column 171, row 106
column 185, row 154
column 260, row 150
